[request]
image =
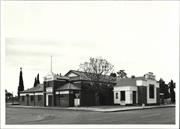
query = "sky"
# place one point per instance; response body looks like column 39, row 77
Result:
column 139, row 37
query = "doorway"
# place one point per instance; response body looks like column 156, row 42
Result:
column 27, row 99
column 134, row 97
column 49, row 100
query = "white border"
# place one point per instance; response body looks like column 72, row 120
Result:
column 4, row 126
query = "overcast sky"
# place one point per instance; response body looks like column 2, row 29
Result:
column 138, row 36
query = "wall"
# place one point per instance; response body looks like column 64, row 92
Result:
column 146, row 83
column 22, row 102
column 142, row 95
column 39, row 102
column 128, row 94
column 27, row 99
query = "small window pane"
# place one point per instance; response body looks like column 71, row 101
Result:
column 116, row 95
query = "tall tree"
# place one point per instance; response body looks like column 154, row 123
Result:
column 21, row 83
column 172, row 85
column 98, row 70
column 38, row 82
column 35, row 82
column 122, row 74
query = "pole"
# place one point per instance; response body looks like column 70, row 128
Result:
column 51, row 63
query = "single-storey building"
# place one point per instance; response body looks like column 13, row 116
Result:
column 32, row 96
column 137, row 90
column 75, row 88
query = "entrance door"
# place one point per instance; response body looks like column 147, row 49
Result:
column 49, row 100
column 27, row 100
column 134, row 97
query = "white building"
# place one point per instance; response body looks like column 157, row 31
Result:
column 137, row 90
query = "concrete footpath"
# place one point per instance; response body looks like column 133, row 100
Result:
column 114, row 108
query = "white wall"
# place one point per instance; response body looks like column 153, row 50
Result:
column 156, row 85
column 128, row 94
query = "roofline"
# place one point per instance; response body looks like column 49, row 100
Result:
column 30, row 91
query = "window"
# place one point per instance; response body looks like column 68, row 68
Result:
column 116, row 95
column 63, row 95
column 32, row 98
column 22, row 98
column 123, row 95
column 151, row 91
column 39, row 97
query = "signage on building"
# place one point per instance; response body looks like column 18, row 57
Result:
column 49, row 89
column 64, row 92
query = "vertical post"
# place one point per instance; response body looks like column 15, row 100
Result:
column 51, row 63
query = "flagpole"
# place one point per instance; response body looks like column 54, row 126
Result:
column 51, row 63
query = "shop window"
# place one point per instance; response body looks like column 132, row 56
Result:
column 123, row 95
column 116, row 95
column 32, row 98
column 151, row 91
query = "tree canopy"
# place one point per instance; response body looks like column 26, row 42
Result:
column 122, row 74
column 36, row 80
column 172, row 85
column 98, row 70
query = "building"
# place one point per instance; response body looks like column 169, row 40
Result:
column 76, row 89
column 73, row 89
column 137, row 90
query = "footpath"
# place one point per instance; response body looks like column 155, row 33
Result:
column 114, row 108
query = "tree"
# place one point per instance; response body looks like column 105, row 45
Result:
column 172, row 85
column 164, row 88
column 35, row 82
column 21, row 83
column 113, row 75
column 122, row 74
column 97, row 70
column 38, row 82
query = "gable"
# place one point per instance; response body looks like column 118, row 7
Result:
column 72, row 75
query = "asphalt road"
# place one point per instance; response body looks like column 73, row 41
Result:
column 46, row 116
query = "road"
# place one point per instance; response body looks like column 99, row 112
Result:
column 46, row 116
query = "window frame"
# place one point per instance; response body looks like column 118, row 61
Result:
column 32, row 97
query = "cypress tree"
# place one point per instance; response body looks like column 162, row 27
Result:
column 35, row 82
column 38, row 82
column 172, row 85
column 21, row 83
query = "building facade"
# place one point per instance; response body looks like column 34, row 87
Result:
column 137, row 90
column 76, row 89
column 73, row 89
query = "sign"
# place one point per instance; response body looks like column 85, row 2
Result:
column 77, row 95
column 64, row 92
column 76, row 102
column 49, row 89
